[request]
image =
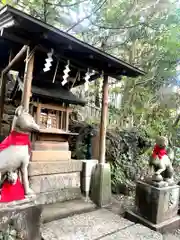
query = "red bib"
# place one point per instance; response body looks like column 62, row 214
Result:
column 13, row 192
column 15, row 139
column 158, row 152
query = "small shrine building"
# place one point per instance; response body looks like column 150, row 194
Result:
column 50, row 63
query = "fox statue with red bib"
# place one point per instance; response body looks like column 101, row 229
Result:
column 160, row 160
column 15, row 153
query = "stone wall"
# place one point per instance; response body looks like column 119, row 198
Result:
column 55, row 181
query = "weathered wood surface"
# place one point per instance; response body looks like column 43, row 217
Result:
column 104, row 120
column 28, row 76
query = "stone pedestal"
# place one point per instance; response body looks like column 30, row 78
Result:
column 20, row 220
column 56, row 181
column 156, row 207
column 101, row 185
column 88, row 167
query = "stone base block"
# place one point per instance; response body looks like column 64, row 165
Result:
column 163, row 227
column 50, row 155
column 49, row 183
column 156, row 204
column 50, row 145
column 55, row 181
column 56, row 211
column 101, row 185
column 20, row 220
column 59, row 195
column 54, row 167
column 88, row 167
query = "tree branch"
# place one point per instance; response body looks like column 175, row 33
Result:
column 45, row 13
column 122, row 27
column 176, row 121
column 66, row 5
column 88, row 16
column 113, row 28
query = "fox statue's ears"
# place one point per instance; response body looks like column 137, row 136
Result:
column 19, row 110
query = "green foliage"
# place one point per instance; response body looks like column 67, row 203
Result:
column 126, row 152
column 152, row 44
column 177, row 155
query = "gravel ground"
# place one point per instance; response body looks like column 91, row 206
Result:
column 121, row 203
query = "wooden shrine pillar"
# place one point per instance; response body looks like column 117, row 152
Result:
column 101, row 179
column 18, row 56
column 103, row 123
column 28, row 76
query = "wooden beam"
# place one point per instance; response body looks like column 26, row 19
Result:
column 28, row 76
column 2, row 98
column 67, row 121
column 10, row 55
column 38, row 116
column 19, row 55
column 103, row 123
column 60, row 56
column 25, row 74
column 12, row 37
column 54, row 107
column 3, row 81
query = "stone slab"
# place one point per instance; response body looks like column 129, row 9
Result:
column 156, row 204
column 48, row 183
column 89, row 226
column 21, row 219
column 54, row 167
column 85, row 185
column 59, row 195
column 101, row 185
column 60, row 210
column 135, row 232
column 168, row 225
column 170, row 236
column 88, row 166
column 50, row 145
column 21, row 204
column 50, row 155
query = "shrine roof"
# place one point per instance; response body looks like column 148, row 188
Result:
column 52, row 93
column 18, row 29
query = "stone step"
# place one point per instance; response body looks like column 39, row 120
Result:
column 96, row 225
column 135, row 232
column 60, row 210
column 60, row 195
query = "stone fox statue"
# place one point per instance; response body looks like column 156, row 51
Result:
column 160, row 160
column 15, row 149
